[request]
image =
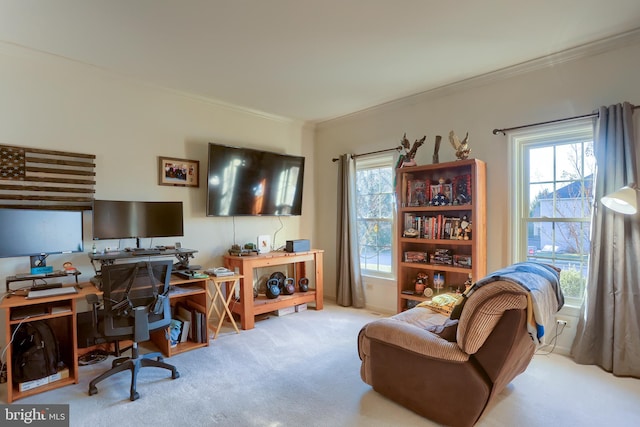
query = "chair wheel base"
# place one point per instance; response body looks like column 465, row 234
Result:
column 93, row 390
column 134, row 396
column 175, row 374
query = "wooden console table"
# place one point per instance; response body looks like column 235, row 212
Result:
column 248, row 307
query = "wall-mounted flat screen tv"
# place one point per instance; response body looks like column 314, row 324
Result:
column 33, row 232
column 118, row 219
column 244, row 181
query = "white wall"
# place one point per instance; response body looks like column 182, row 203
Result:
column 48, row 102
column 562, row 90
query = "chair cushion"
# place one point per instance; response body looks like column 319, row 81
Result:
column 483, row 310
column 410, row 330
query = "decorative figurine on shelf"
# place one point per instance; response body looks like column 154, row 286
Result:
column 420, row 283
column 467, row 233
column 462, row 147
column 69, row 268
column 462, row 193
column 436, row 158
column 443, row 195
column 438, row 282
column 408, row 158
column 411, row 232
column 465, row 229
column 468, row 283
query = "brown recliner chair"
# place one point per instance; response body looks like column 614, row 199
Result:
column 450, row 374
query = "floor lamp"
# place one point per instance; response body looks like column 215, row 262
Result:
column 624, row 201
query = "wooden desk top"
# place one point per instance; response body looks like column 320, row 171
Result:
column 10, row 301
column 274, row 254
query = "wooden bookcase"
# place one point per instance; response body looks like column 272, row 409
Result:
column 429, row 233
column 193, row 294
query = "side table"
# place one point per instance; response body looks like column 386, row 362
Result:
column 230, row 282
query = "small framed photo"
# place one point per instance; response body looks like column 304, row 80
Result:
column 178, row 172
column 264, row 244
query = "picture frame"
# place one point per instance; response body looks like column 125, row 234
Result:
column 178, row 172
column 445, row 189
column 264, row 243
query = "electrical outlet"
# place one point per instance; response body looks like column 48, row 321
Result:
column 562, row 322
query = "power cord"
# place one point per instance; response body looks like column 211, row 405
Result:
column 554, row 340
column 273, row 244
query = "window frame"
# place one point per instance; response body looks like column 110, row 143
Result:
column 376, row 161
column 519, row 144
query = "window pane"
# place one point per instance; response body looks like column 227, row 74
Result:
column 557, row 172
column 541, row 164
column 375, row 204
column 541, row 197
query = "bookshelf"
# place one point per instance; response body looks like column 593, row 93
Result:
column 191, row 294
column 441, row 227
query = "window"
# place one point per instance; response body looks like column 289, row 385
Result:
column 553, row 197
column 375, row 206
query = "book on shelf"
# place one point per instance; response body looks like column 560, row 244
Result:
column 193, row 319
column 183, row 313
column 456, row 231
column 195, row 326
column 184, row 331
column 204, row 336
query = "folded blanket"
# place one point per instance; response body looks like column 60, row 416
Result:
column 545, row 296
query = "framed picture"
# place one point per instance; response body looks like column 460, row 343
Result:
column 178, row 172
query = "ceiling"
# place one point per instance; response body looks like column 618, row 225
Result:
column 305, row 59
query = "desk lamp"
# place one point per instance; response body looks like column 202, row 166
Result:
column 624, row 201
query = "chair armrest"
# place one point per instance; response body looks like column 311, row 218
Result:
column 92, row 299
column 412, row 338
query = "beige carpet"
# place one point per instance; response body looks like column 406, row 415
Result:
column 303, row 370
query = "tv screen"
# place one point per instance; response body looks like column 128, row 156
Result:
column 116, row 219
column 244, row 181
column 31, row 232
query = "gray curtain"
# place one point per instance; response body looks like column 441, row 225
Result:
column 349, row 280
column 608, row 331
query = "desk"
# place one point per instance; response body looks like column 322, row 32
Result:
column 60, row 312
column 230, row 283
column 248, row 308
column 107, row 258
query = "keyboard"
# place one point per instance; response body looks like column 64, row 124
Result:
column 144, row 252
column 51, row 292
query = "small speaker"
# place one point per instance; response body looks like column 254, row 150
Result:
column 302, row 245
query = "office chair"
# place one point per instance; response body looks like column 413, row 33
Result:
column 136, row 302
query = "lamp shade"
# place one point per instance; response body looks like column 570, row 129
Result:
column 624, row 201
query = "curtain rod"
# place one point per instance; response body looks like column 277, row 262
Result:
column 398, row 148
column 503, row 131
